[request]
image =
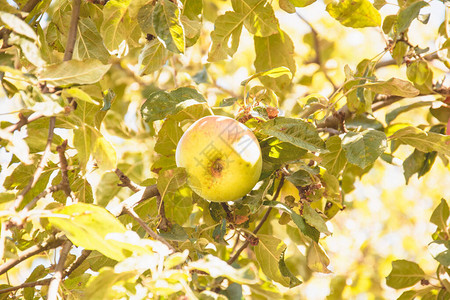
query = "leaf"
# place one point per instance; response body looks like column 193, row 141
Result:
column 117, row 25
column 89, row 43
column 101, row 286
column 304, row 227
column 176, row 233
column 219, row 232
column 314, row 219
column 219, row 268
column 354, row 13
column 440, row 215
column 152, row 57
column 168, row 27
column 317, row 259
column 87, row 226
column 168, row 137
column 418, row 162
column 423, row 141
column 418, row 72
column 390, row 116
column 74, row 72
column 104, row 153
column 268, row 253
column 363, row 148
column 179, row 204
column 404, row 274
column 293, row 280
column 31, row 52
column 259, row 16
column 225, row 37
column 301, row 3
column 273, row 73
column 295, row 131
column 171, row 180
column 334, row 160
column 17, row 25
column 79, row 94
column 394, row 87
column 440, row 250
column 406, row 16
column 272, row 52
column 161, row 103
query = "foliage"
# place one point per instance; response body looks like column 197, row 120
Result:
column 104, row 91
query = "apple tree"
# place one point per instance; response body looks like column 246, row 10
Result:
column 96, row 94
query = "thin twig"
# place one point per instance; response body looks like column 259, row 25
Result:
column 65, row 185
column 85, row 254
column 49, row 190
column 164, row 223
column 144, row 225
column 40, row 167
column 33, row 250
column 23, row 120
column 260, row 224
column 391, row 62
column 57, row 277
column 72, row 35
column 30, row 5
column 126, row 181
column 317, row 50
column 25, row 285
column 385, row 101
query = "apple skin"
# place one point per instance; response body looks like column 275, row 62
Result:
column 222, row 158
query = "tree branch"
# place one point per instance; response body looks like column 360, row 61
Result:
column 23, row 120
column 164, row 224
column 40, row 167
column 64, row 184
column 318, row 58
column 57, row 277
column 33, row 250
column 144, row 225
column 260, row 224
column 391, row 62
column 72, row 35
column 30, row 5
column 126, row 181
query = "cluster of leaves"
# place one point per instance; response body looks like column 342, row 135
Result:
column 79, row 70
column 406, row 273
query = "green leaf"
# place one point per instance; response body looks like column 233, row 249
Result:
column 79, row 94
column 418, row 162
column 31, row 52
column 219, row 268
column 152, row 57
column 390, row 116
column 394, row 87
column 89, row 43
column 260, row 18
column 440, row 215
column 404, row 274
column 176, row 233
column 295, row 131
column 304, row 227
column 423, row 141
column 171, row 180
column 179, row 205
column 268, row 253
column 406, row 16
column 87, row 226
column 168, row 27
column 74, row 72
column 225, row 37
column 440, row 250
column 273, row 73
column 301, row 3
column 168, row 137
column 363, row 148
column 337, row 286
column 272, row 52
column 101, row 286
column 354, row 13
column 314, row 219
column 293, row 280
column 317, row 259
column 17, row 25
column 334, row 160
column 117, row 24
column 418, row 72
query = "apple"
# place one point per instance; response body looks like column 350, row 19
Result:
column 222, row 158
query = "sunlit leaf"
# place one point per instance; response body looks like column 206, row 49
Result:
column 260, row 18
column 404, row 274
column 423, row 141
column 356, row 14
column 168, row 27
column 335, row 159
column 317, row 258
column 407, row 15
column 363, row 148
column 225, row 37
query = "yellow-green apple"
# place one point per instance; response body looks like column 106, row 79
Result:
column 222, row 158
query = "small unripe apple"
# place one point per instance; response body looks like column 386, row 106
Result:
column 222, row 158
